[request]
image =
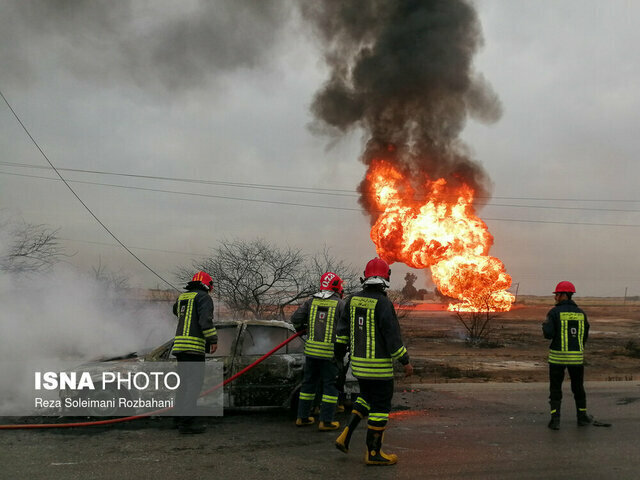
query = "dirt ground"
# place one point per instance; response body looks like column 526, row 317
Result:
column 516, row 350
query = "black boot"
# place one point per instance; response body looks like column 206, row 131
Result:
column 584, row 419
column 342, row 442
column 375, row 455
column 554, row 423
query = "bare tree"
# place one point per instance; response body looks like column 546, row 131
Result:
column 113, row 281
column 31, row 248
column 324, row 261
column 479, row 325
column 260, row 279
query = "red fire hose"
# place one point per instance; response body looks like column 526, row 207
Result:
column 155, row 412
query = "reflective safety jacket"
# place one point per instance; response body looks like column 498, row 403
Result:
column 568, row 329
column 194, row 310
column 369, row 327
column 318, row 315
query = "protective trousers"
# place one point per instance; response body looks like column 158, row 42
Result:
column 324, row 371
column 556, row 377
column 374, row 400
column 191, row 372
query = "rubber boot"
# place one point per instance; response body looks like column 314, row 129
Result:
column 554, row 423
column 375, row 455
column 583, row 418
column 342, row 442
column 303, row 422
column 328, row 426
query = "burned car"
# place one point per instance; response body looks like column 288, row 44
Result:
column 275, row 382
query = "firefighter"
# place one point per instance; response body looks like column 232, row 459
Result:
column 318, row 316
column 568, row 329
column 195, row 335
column 369, row 328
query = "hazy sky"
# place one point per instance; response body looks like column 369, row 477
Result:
column 221, row 92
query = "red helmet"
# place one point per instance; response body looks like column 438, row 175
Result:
column 204, row 278
column 565, row 287
column 377, row 268
column 331, row 281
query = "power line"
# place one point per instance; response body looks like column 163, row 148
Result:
column 207, row 195
column 78, row 197
column 309, row 205
column 544, row 207
column 322, row 191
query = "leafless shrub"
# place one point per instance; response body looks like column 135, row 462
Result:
column 31, row 248
column 259, row 279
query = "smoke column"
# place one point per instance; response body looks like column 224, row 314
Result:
column 402, row 71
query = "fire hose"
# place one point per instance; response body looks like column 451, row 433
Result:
column 155, row 412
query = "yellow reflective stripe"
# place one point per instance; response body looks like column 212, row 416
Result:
column 564, row 340
column 312, row 320
column 196, row 340
column 328, row 332
column 371, row 338
column 378, row 417
column 581, row 334
column 318, row 349
column 329, row 399
column 189, row 296
column 369, row 361
column 307, row 396
column 566, row 358
column 210, row 332
column 400, row 352
column 352, row 317
column 362, row 402
column 342, row 339
column 371, row 375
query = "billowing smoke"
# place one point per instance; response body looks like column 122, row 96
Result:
column 160, row 45
column 61, row 318
column 402, row 71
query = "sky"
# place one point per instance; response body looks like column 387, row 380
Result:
column 223, row 92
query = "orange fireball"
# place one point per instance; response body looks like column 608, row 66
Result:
column 427, row 223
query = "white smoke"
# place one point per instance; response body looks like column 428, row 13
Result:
column 56, row 320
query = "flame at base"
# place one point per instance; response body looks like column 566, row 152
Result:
column 427, row 223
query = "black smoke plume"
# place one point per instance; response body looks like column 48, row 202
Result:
column 402, row 71
column 164, row 47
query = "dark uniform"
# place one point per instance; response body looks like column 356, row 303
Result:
column 194, row 333
column 318, row 316
column 568, row 329
column 369, row 328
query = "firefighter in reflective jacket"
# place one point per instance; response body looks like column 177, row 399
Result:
column 369, row 328
column 195, row 334
column 568, row 329
column 318, row 316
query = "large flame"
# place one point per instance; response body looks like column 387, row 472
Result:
column 428, row 223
